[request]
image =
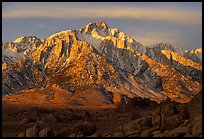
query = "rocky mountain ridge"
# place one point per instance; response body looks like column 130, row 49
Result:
column 103, row 58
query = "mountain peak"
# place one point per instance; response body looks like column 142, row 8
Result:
column 97, row 25
column 101, row 23
column 24, row 38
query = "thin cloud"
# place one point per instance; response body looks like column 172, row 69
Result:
column 171, row 15
column 152, row 38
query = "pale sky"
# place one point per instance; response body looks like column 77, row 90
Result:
column 178, row 23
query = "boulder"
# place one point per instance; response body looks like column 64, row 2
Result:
column 36, row 131
column 197, row 129
column 145, row 122
column 22, row 134
column 170, row 117
column 79, row 130
column 138, row 125
column 182, row 109
column 148, row 132
column 178, row 132
column 85, row 128
column 185, row 123
column 46, row 132
column 156, row 117
column 171, row 122
column 188, row 135
column 158, row 133
column 64, row 132
column 130, row 128
column 33, row 131
column 194, row 123
column 165, row 133
column 134, row 134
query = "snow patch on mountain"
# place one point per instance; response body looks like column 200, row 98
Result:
column 10, row 57
column 89, row 39
column 59, row 33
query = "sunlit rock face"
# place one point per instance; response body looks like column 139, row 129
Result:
column 195, row 55
column 181, row 61
column 102, row 58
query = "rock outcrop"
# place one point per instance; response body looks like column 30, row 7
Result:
column 169, row 120
column 37, row 131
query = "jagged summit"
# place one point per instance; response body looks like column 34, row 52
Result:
column 98, row 25
column 199, row 50
column 168, row 46
column 98, row 32
column 25, row 39
column 13, row 52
